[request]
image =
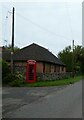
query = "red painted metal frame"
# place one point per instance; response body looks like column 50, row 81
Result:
column 30, row 62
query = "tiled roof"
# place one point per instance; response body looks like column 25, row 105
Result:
column 36, row 52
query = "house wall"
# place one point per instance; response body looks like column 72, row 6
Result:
column 57, row 69
column 47, row 68
column 39, row 67
column 52, row 68
column 43, row 67
column 65, row 69
column 44, row 70
column 62, row 69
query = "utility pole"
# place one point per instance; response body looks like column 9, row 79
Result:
column 12, row 46
column 73, row 58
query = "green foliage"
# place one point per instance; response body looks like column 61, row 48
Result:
column 16, row 82
column 81, row 58
column 9, row 48
column 5, row 71
column 13, row 79
column 5, row 68
column 19, row 80
column 8, row 78
column 74, row 60
column 0, row 62
column 66, row 57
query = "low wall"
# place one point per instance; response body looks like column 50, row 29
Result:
column 52, row 76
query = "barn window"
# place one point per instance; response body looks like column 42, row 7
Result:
column 50, row 68
column 58, row 69
column 62, row 68
column 43, row 67
column 54, row 68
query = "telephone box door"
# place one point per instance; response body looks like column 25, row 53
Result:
column 31, row 71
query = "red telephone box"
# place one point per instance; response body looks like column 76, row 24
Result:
column 31, row 71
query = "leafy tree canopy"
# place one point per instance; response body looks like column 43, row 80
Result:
column 9, row 48
column 74, row 59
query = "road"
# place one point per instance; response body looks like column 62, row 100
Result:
column 53, row 102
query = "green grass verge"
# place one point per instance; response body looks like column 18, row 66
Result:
column 53, row 83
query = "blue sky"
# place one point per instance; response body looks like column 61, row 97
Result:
column 52, row 25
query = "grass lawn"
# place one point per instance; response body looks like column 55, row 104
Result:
column 54, row 83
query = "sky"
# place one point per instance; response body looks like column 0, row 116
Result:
column 51, row 24
column 83, row 24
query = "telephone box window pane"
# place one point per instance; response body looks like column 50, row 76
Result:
column 31, row 72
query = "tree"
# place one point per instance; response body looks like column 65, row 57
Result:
column 81, row 59
column 9, row 48
column 66, row 56
column 5, row 71
column 74, row 60
column 77, row 53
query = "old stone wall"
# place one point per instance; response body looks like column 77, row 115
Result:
column 52, row 76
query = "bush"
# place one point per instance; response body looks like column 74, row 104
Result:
column 5, row 72
column 10, row 79
column 18, row 80
column 5, row 69
column 13, row 79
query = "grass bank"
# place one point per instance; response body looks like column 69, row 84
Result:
column 54, row 83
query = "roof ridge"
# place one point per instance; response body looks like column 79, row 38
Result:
column 34, row 44
column 37, row 52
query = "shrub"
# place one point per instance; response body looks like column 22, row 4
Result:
column 5, row 68
column 16, row 83
column 10, row 79
column 13, row 79
column 18, row 80
column 5, row 72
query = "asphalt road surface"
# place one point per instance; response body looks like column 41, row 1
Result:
column 43, row 102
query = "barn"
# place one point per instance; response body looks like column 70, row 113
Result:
column 46, row 63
